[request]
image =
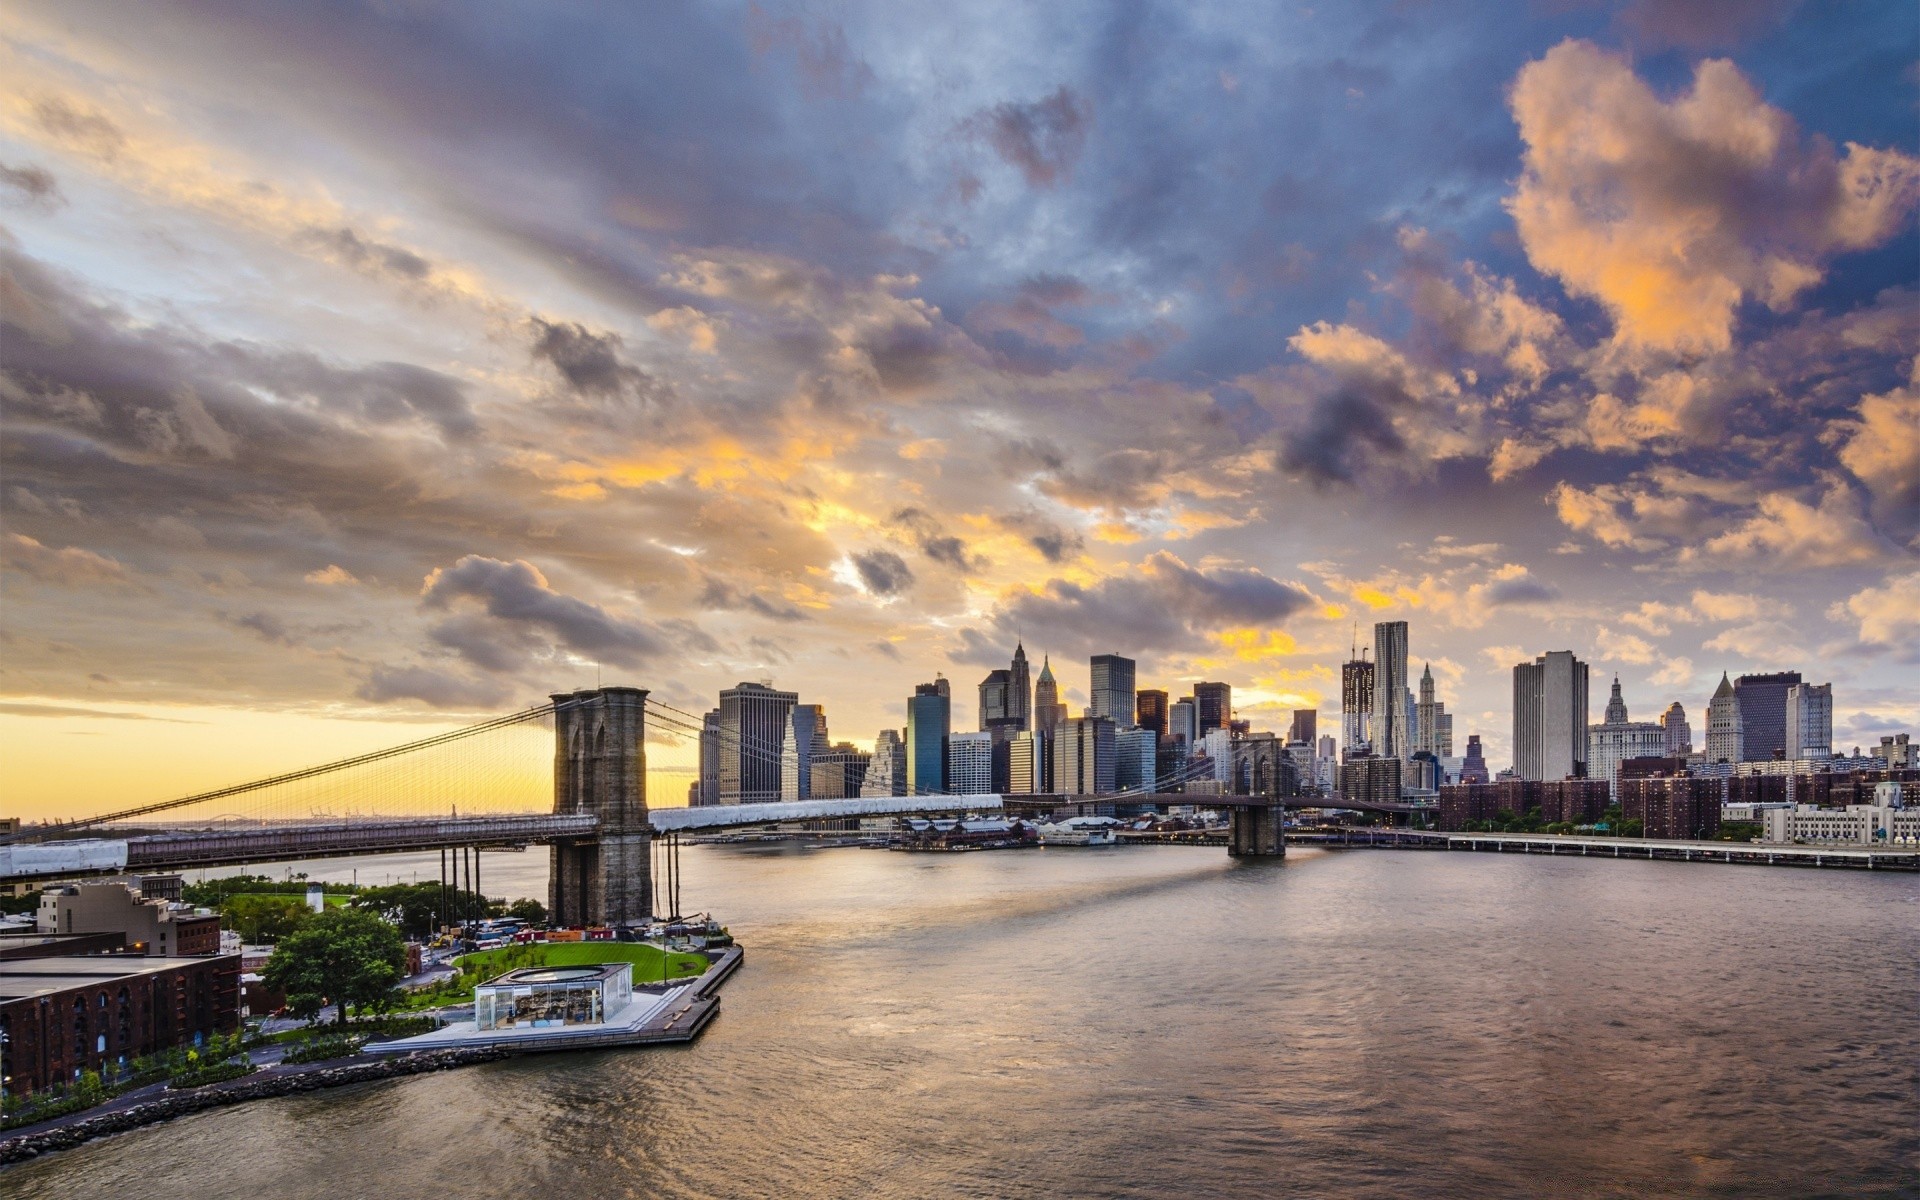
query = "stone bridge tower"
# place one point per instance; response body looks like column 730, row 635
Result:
column 600, row 767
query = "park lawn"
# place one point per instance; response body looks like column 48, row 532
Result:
column 650, row 965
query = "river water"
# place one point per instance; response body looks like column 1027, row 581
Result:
column 1154, row 1021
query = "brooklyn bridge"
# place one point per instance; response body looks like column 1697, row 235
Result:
column 607, row 845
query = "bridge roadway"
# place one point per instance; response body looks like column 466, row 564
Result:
column 195, row 848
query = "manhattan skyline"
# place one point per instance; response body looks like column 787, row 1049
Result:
column 373, row 370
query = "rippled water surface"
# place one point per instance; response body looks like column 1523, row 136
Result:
column 1152, row 1021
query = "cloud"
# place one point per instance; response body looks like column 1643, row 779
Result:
column 1882, row 449
column 1521, row 589
column 1698, row 26
column 1042, row 139
column 36, row 185
column 1787, row 532
column 367, row 255
column 716, row 593
column 934, row 541
column 590, row 363
column 332, row 575
column 1673, row 213
column 883, row 572
column 267, row 626
column 17, row 709
column 68, row 566
column 1054, row 543
column 436, row 688
column 1888, row 615
column 1355, row 416
column 517, row 594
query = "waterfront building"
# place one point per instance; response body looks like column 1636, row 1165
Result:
column 1356, row 706
column 1679, row 740
column 840, row 772
column 1150, row 711
column 706, row 787
column 1723, row 724
column 1213, row 707
column 1617, row 739
column 1027, row 763
column 808, row 736
column 995, row 692
column 1854, row 825
column 1392, row 738
column 551, row 997
column 1048, row 712
column 1550, row 717
column 1082, row 754
column 1019, row 689
column 1112, row 693
column 887, row 769
column 1433, row 725
column 63, row 1016
column 970, row 763
column 1305, row 726
column 1672, row 806
column 754, row 728
column 1135, row 752
column 1183, row 723
column 929, row 725
column 154, row 927
column 1762, row 701
column 1809, row 720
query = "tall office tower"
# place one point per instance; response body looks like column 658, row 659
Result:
column 1432, row 724
column 1183, row 723
column 1474, row 769
column 1679, row 743
column 887, row 771
column 1356, row 706
column 1020, row 689
column 1217, row 745
column 1112, row 695
column 1810, row 720
column 1150, row 712
column 970, row 764
column 995, row 690
column 839, row 771
column 796, row 757
column 1134, row 753
column 941, row 686
column 1213, row 706
column 1048, row 712
column 1617, row 739
column 1083, row 756
column 1724, row 742
column 1391, row 737
column 1328, row 750
column 1027, row 763
column 707, row 787
column 754, row 728
column 1550, row 717
column 1762, row 701
column 929, row 725
column 1305, row 726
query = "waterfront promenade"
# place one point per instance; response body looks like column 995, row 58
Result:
column 1863, row 858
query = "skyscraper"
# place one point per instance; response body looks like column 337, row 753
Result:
column 1112, row 693
column 1083, row 756
column 1027, row 763
column 1433, row 725
column 970, row 763
column 1150, row 711
column 1809, row 720
column 1762, row 701
column 1213, row 706
column 1679, row 743
column 1183, row 723
column 707, row 788
column 1474, row 768
column 1134, row 756
column 1020, row 689
column 754, row 729
column 1617, row 739
column 809, row 735
column 887, row 771
column 929, row 724
column 1550, row 717
column 1391, row 737
column 995, row 695
column 1723, row 724
column 1305, row 726
column 1356, row 705
column 1048, row 712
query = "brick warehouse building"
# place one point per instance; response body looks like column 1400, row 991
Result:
column 62, row 1016
column 1674, row 806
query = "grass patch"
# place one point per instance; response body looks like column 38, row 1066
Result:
column 650, row 965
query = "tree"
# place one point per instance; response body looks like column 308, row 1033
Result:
column 262, row 919
column 344, row 955
column 417, row 908
column 528, row 909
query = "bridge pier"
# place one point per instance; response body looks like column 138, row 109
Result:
column 1256, row 832
column 600, row 767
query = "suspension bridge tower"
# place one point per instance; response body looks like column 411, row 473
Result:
column 600, row 767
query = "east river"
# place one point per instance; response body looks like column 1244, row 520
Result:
column 1155, row 1021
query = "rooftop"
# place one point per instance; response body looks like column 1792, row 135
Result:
column 22, row 978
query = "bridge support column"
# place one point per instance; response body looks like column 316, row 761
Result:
column 600, row 767
column 1256, row 832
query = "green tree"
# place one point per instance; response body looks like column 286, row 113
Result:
column 263, row 919
column 417, row 908
column 345, row 956
column 528, row 909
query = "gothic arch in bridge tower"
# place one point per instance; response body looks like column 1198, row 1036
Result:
column 600, row 768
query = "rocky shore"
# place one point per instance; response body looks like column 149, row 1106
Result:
column 82, row 1128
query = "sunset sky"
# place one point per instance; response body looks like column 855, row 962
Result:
column 372, row 368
